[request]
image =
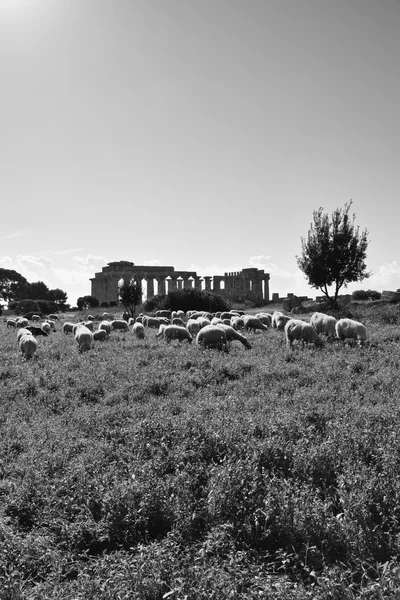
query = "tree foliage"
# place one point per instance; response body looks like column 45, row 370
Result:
column 188, row 299
column 130, row 295
column 334, row 252
column 84, row 302
column 11, row 284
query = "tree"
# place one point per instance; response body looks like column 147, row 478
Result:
column 334, row 252
column 11, row 285
column 58, row 296
column 85, row 302
column 38, row 290
column 130, row 294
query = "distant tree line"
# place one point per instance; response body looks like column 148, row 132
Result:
column 23, row 296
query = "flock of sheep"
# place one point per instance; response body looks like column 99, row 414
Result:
column 209, row 330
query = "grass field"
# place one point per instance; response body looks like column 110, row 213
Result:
column 144, row 470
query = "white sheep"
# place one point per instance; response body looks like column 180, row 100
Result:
column 265, row 318
column 119, row 324
column 131, row 321
column 51, row 323
column 53, row 317
column 212, row 336
column 295, row 329
column 28, row 345
column 67, row 327
column 84, row 337
column 252, row 323
column 174, row 332
column 237, row 322
column 21, row 332
column 217, row 320
column 105, row 326
column 181, row 314
column 100, row 335
column 46, row 327
column 232, row 334
column 21, row 322
column 324, row 324
column 138, row 330
column 107, row 316
column 35, row 318
column 279, row 320
column 203, row 322
column 350, row 329
column 11, row 323
column 193, row 327
column 152, row 322
column 177, row 321
column 89, row 325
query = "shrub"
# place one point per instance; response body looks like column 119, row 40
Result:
column 104, row 304
column 188, row 299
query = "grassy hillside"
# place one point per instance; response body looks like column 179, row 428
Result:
column 149, row 471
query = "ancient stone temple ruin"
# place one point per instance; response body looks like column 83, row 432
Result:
column 248, row 284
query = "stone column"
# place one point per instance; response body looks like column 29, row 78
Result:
column 197, row 283
column 266, row 288
column 217, row 283
column 187, row 284
column 207, row 280
column 150, row 286
column 173, row 283
column 161, row 285
column 257, row 288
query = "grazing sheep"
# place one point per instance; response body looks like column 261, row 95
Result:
column 100, row 335
column 89, row 325
column 203, row 322
column 84, row 337
column 105, row 326
column 131, row 321
column 53, row 317
column 21, row 322
column 237, row 323
column 119, row 324
column 216, row 320
column 36, row 331
column 252, row 323
column 11, row 323
column 35, row 318
column 178, row 321
column 138, row 330
column 324, row 324
column 51, row 323
column 90, row 318
column 28, row 345
column 21, row 332
column 279, row 320
column 152, row 322
column 265, row 318
column 46, row 327
column 350, row 329
column 193, row 327
column 212, row 336
column 174, row 332
column 163, row 313
column 68, row 327
column 232, row 334
column 107, row 316
column 181, row 314
column 295, row 329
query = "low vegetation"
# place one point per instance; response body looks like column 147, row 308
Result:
column 145, row 470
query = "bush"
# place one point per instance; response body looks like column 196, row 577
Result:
column 113, row 303
column 187, row 299
column 104, row 304
column 366, row 295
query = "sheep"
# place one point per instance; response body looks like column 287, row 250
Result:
column 84, row 337
column 163, row 313
column 212, row 336
column 100, row 335
column 35, row 318
column 203, row 322
column 193, row 327
column 120, row 324
column 174, row 332
column 21, row 322
column 324, row 324
column 252, row 323
column 152, row 322
column 180, row 314
column 131, row 321
column 177, row 321
column 51, row 323
column 11, row 323
column 350, row 329
column 216, row 320
column 105, row 326
column 90, row 318
column 46, row 327
column 232, row 334
column 265, row 318
column 53, row 317
column 68, row 327
column 36, row 331
column 89, row 325
column 295, row 329
column 237, row 323
column 107, row 316
column 138, row 330
column 21, row 332
column 28, row 345
column 279, row 320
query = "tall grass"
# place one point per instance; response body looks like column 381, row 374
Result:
column 145, row 470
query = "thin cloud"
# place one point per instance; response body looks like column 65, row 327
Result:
column 14, row 234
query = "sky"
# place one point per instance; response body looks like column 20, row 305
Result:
column 197, row 134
